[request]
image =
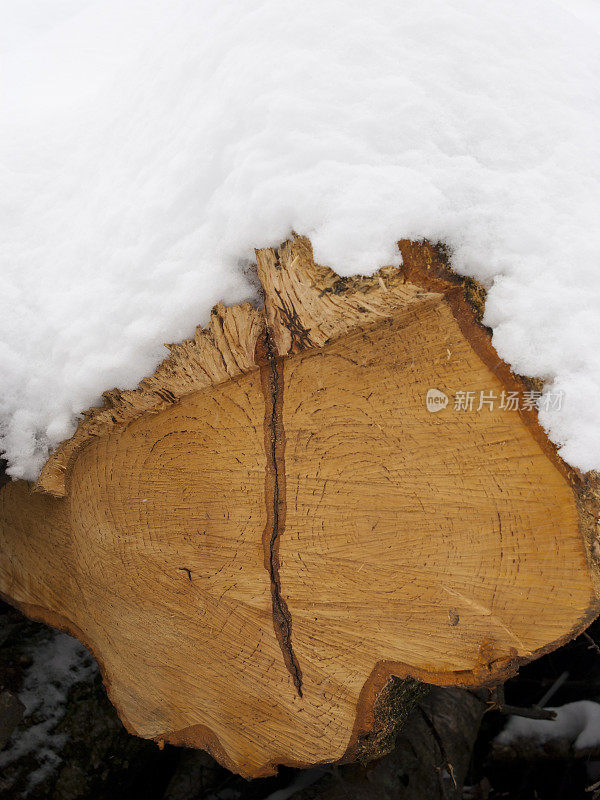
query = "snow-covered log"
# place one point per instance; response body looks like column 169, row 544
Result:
column 304, row 500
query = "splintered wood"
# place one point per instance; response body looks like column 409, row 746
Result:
column 276, row 522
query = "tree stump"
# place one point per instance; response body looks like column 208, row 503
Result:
column 273, row 524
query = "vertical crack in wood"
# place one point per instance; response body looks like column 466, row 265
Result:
column 271, row 372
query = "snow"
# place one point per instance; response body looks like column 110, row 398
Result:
column 147, row 147
column 577, row 722
column 57, row 664
column 301, row 780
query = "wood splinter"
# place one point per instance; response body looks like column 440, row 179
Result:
column 276, row 522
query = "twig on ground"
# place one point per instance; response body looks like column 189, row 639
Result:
column 535, row 712
column 553, row 689
column 592, row 645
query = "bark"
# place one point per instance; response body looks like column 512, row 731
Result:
column 430, row 759
column 11, row 713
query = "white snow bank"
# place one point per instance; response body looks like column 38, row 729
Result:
column 147, row 147
column 578, row 722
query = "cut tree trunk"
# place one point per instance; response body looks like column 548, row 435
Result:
column 273, row 524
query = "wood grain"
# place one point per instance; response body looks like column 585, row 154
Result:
column 270, row 527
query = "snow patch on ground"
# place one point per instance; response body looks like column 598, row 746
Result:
column 57, row 665
column 302, row 780
column 577, row 722
column 147, row 147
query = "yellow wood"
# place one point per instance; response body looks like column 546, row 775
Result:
column 251, row 545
